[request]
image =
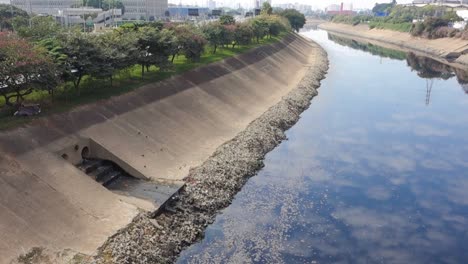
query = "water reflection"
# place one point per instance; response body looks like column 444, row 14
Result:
column 425, row 67
column 368, row 47
column 367, row 175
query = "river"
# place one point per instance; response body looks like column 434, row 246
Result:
column 375, row 171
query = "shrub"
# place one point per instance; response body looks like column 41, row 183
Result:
column 464, row 34
column 444, row 32
column 430, row 28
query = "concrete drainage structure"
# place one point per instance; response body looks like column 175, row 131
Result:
column 154, row 134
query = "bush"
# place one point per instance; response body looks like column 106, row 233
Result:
column 464, row 34
column 432, row 28
column 447, row 32
column 417, row 29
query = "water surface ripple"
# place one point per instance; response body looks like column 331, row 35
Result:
column 374, row 172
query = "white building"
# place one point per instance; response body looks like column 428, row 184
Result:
column 144, row 9
column 46, row 7
column 134, row 9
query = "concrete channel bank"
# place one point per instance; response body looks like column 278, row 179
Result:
column 155, row 134
column 452, row 51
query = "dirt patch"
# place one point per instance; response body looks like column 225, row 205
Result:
column 212, row 186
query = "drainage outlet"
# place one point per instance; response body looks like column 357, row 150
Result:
column 115, row 179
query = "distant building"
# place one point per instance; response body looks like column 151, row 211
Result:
column 182, row 12
column 134, row 9
column 144, row 9
column 51, row 7
column 461, row 2
column 342, row 9
column 305, row 9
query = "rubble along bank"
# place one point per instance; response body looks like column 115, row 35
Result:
column 449, row 50
column 212, row 186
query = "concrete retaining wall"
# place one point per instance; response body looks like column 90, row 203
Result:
column 158, row 132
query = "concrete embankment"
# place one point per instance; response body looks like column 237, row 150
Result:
column 156, row 133
column 448, row 50
column 212, row 186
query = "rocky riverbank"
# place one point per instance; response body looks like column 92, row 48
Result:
column 211, row 186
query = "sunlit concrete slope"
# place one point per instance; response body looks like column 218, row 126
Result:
column 158, row 132
column 453, row 49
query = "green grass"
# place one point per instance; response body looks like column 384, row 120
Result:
column 402, row 27
column 92, row 90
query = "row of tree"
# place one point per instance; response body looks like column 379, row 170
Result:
column 43, row 55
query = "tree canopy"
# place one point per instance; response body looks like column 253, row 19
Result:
column 227, row 20
column 39, row 54
column 296, row 19
column 104, row 4
column 23, row 69
column 7, row 14
column 266, row 9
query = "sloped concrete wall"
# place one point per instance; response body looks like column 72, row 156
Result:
column 158, row 132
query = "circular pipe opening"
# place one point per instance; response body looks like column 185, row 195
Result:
column 85, row 153
column 77, row 147
column 65, row 156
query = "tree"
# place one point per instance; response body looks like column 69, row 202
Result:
column 40, row 27
column 276, row 25
column 83, row 57
column 120, row 52
column 23, row 69
column 104, row 4
column 452, row 16
column 382, row 8
column 266, row 9
column 214, row 34
column 260, row 28
column 227, row 20
column 243, row 34
column 112, row 4
column 190, row 42
column 296, row 19
column 155, row 47
column 229, row 34
column 8, row 13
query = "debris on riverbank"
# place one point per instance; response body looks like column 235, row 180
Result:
column 212, row 186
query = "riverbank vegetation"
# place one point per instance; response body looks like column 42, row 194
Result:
column 44, row 63
column 428, row 21
column 425, row 67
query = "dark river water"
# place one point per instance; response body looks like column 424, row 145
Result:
column 374, row 172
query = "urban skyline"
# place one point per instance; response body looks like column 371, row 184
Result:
column 316, row 4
